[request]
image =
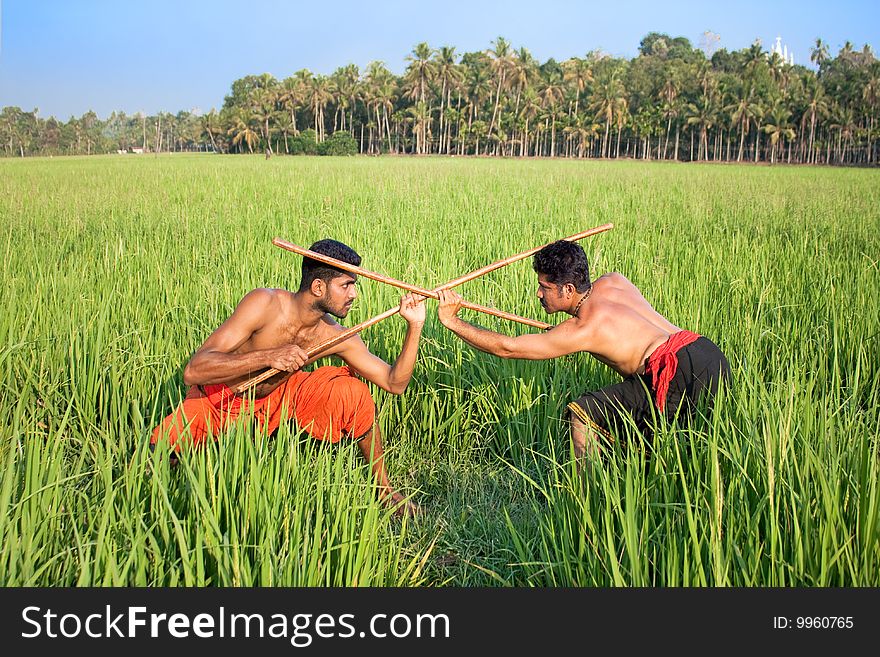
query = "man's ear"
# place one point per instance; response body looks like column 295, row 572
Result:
column 568, row 289
column 318, row 288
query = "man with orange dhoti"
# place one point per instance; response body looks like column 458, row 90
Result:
column 273, row 328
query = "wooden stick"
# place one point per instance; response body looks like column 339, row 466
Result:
column 519, row 256
column 345, row 335
column 434, row 294
column 341, row 337
column 317, row 349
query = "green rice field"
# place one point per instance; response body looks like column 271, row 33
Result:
column 115, row 269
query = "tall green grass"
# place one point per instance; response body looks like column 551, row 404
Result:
column 116, row 269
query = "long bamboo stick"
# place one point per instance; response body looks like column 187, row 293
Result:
column 311, row 352
column 341, row 337
column 519, row 256
column 434, row 294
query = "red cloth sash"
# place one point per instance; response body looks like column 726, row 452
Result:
column 663, row 364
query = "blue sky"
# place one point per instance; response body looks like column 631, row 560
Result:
column 66, row 57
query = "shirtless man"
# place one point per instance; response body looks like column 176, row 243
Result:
column 272, row 328
column 664, row 367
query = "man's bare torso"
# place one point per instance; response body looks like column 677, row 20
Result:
column 618, row 326
column 283, row 327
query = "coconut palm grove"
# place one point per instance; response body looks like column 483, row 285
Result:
column 673, row 101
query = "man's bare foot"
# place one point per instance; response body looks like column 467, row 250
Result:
column 402, row 505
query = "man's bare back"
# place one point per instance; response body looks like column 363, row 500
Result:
column 618, row 326
column 613, row 322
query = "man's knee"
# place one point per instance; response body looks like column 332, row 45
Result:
column 577, row 427
column 188, row 422
column 579, row 415
column 359, row 408
column 571, row 417
column 587, row 421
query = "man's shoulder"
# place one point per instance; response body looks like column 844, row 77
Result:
column 613, row 277
column 261, row 302
column 328, row 321
column 613, row 284
column 572, row 328
column 266, row 295
column 332, row 328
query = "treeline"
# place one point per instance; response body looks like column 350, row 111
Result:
column 670, row 102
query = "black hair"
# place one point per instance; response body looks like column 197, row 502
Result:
column 312, row 269
column 564, row 262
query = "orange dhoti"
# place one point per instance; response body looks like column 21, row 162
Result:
column 328, row 403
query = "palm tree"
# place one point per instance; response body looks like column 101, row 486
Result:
column 531, row 106
column 523, row 72
column 88, row 123
column 420, row 71
column 621, row 115
column 647, row 122
column 742, row 111
column 702, row 114
column 478, row 89
column 421, row 116
column 448, row 72
column 379, row 94
column 582, row 131
column 668, row 95
column 319, row 93
column 9, row 122
column 418, row 75
column 552, row 93
column 579, row 74
column 347, row 81
column 477, row 130
column 755, row 60
column 540, row 129
column 294, row 93
column 817, row 105
column 758, row 112
column 367, row 95
column 819, row 53
column 843, row 119
column 142, row 117
column 241, row 131
column 501, row 64
column 210, row 125
column 263, row 105
column 779, row 128
column 871, row 96
column 606, row 97
column 290, row 95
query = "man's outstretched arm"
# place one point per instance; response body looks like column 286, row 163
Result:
column 558, row 341
column 393, row 378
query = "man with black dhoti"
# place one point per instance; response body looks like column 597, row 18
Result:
column 666, row 370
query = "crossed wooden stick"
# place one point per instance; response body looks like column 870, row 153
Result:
column 434, row 294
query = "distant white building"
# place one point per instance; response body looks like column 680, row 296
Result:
column 782, row 51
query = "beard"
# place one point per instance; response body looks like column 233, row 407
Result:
column 340, row 311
